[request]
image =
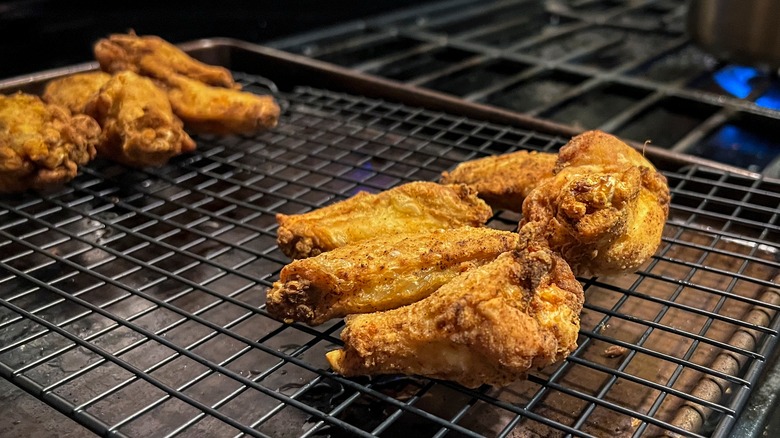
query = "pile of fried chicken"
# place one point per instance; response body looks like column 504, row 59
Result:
column 427, row 289
column 135, row 112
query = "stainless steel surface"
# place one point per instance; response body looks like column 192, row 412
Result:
column 741, row 31
column 132, row 301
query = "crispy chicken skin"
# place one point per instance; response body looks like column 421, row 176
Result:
column 41, row 145
column 381, row 273
column 489, row 325
column 504, row 181
column 139, row 127
column 154, row 57
column 75, row 91
column 408, row 208
column 604, row 209
column 211, row 110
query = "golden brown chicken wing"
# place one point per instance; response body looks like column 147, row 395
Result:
column 139, row 127
column 408, row 208
column 154, row 57
column 504, row 181
column 489, row 325
column 604, row 209
column 75, row 91
column 41, row 145
column 211, row 110
column 381, row 273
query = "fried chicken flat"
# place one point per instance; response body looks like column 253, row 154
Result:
column 408, row 208
column 381, row 273
column 504, row 181
column 212, row 110
column 154, row 57
column 604, row 209
column 489, row 325
column 75, row 91
column 139, row 127
column 41, row 145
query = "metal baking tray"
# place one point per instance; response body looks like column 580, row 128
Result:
column 133, row 300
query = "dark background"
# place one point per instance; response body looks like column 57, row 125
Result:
column 38, row 35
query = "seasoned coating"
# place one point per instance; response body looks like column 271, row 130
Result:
column 154, row 57
column 604, row 209
column 211, row 110
column 489, row 325
column 75, row 91
column 41, row 145
column 408, row 208
column 504, row 181
column 139, row 127
column 381, row 273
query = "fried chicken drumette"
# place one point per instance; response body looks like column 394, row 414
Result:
column 75, row 91
column 381, row 273
column 603, row 204
column 204, row 96
column 604, row 209
column 408, row 208
column 504, row 181
column 154, row 57
column 41, row 145
column 211, row 110
column 139, row 127
column 489, row 325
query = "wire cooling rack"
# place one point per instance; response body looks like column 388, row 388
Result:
column 133, row 300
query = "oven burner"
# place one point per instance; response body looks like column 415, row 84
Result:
column 736, row 80
column 747, row 82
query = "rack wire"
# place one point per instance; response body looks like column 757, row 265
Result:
column 133, row 300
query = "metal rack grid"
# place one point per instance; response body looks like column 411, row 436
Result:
column 622, row 66
column 132, row 301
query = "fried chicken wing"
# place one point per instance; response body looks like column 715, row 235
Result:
column 489, row 325
column 41, row 145
column 154, row 57
column 381, row 273
column 211, row 110
column 411, row 207
column 139, row 127
column 605, row 207
column 504, row 181
column 75, row 91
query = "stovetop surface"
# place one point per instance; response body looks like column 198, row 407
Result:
column 623, row 66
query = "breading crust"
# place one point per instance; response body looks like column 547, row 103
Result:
column 503, row 181
column 381, row 273
column 212, row 110
column 41, row 145
column 490, row 325
column 411, row 207
column 154, row 57
column 605, row 208
column 75, row 91
column 139, row 127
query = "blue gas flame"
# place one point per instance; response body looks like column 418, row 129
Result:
column 737, row 80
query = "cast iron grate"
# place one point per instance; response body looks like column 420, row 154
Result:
column 622, row 66
column 132, row 301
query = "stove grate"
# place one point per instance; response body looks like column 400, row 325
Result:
column 637, row 47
